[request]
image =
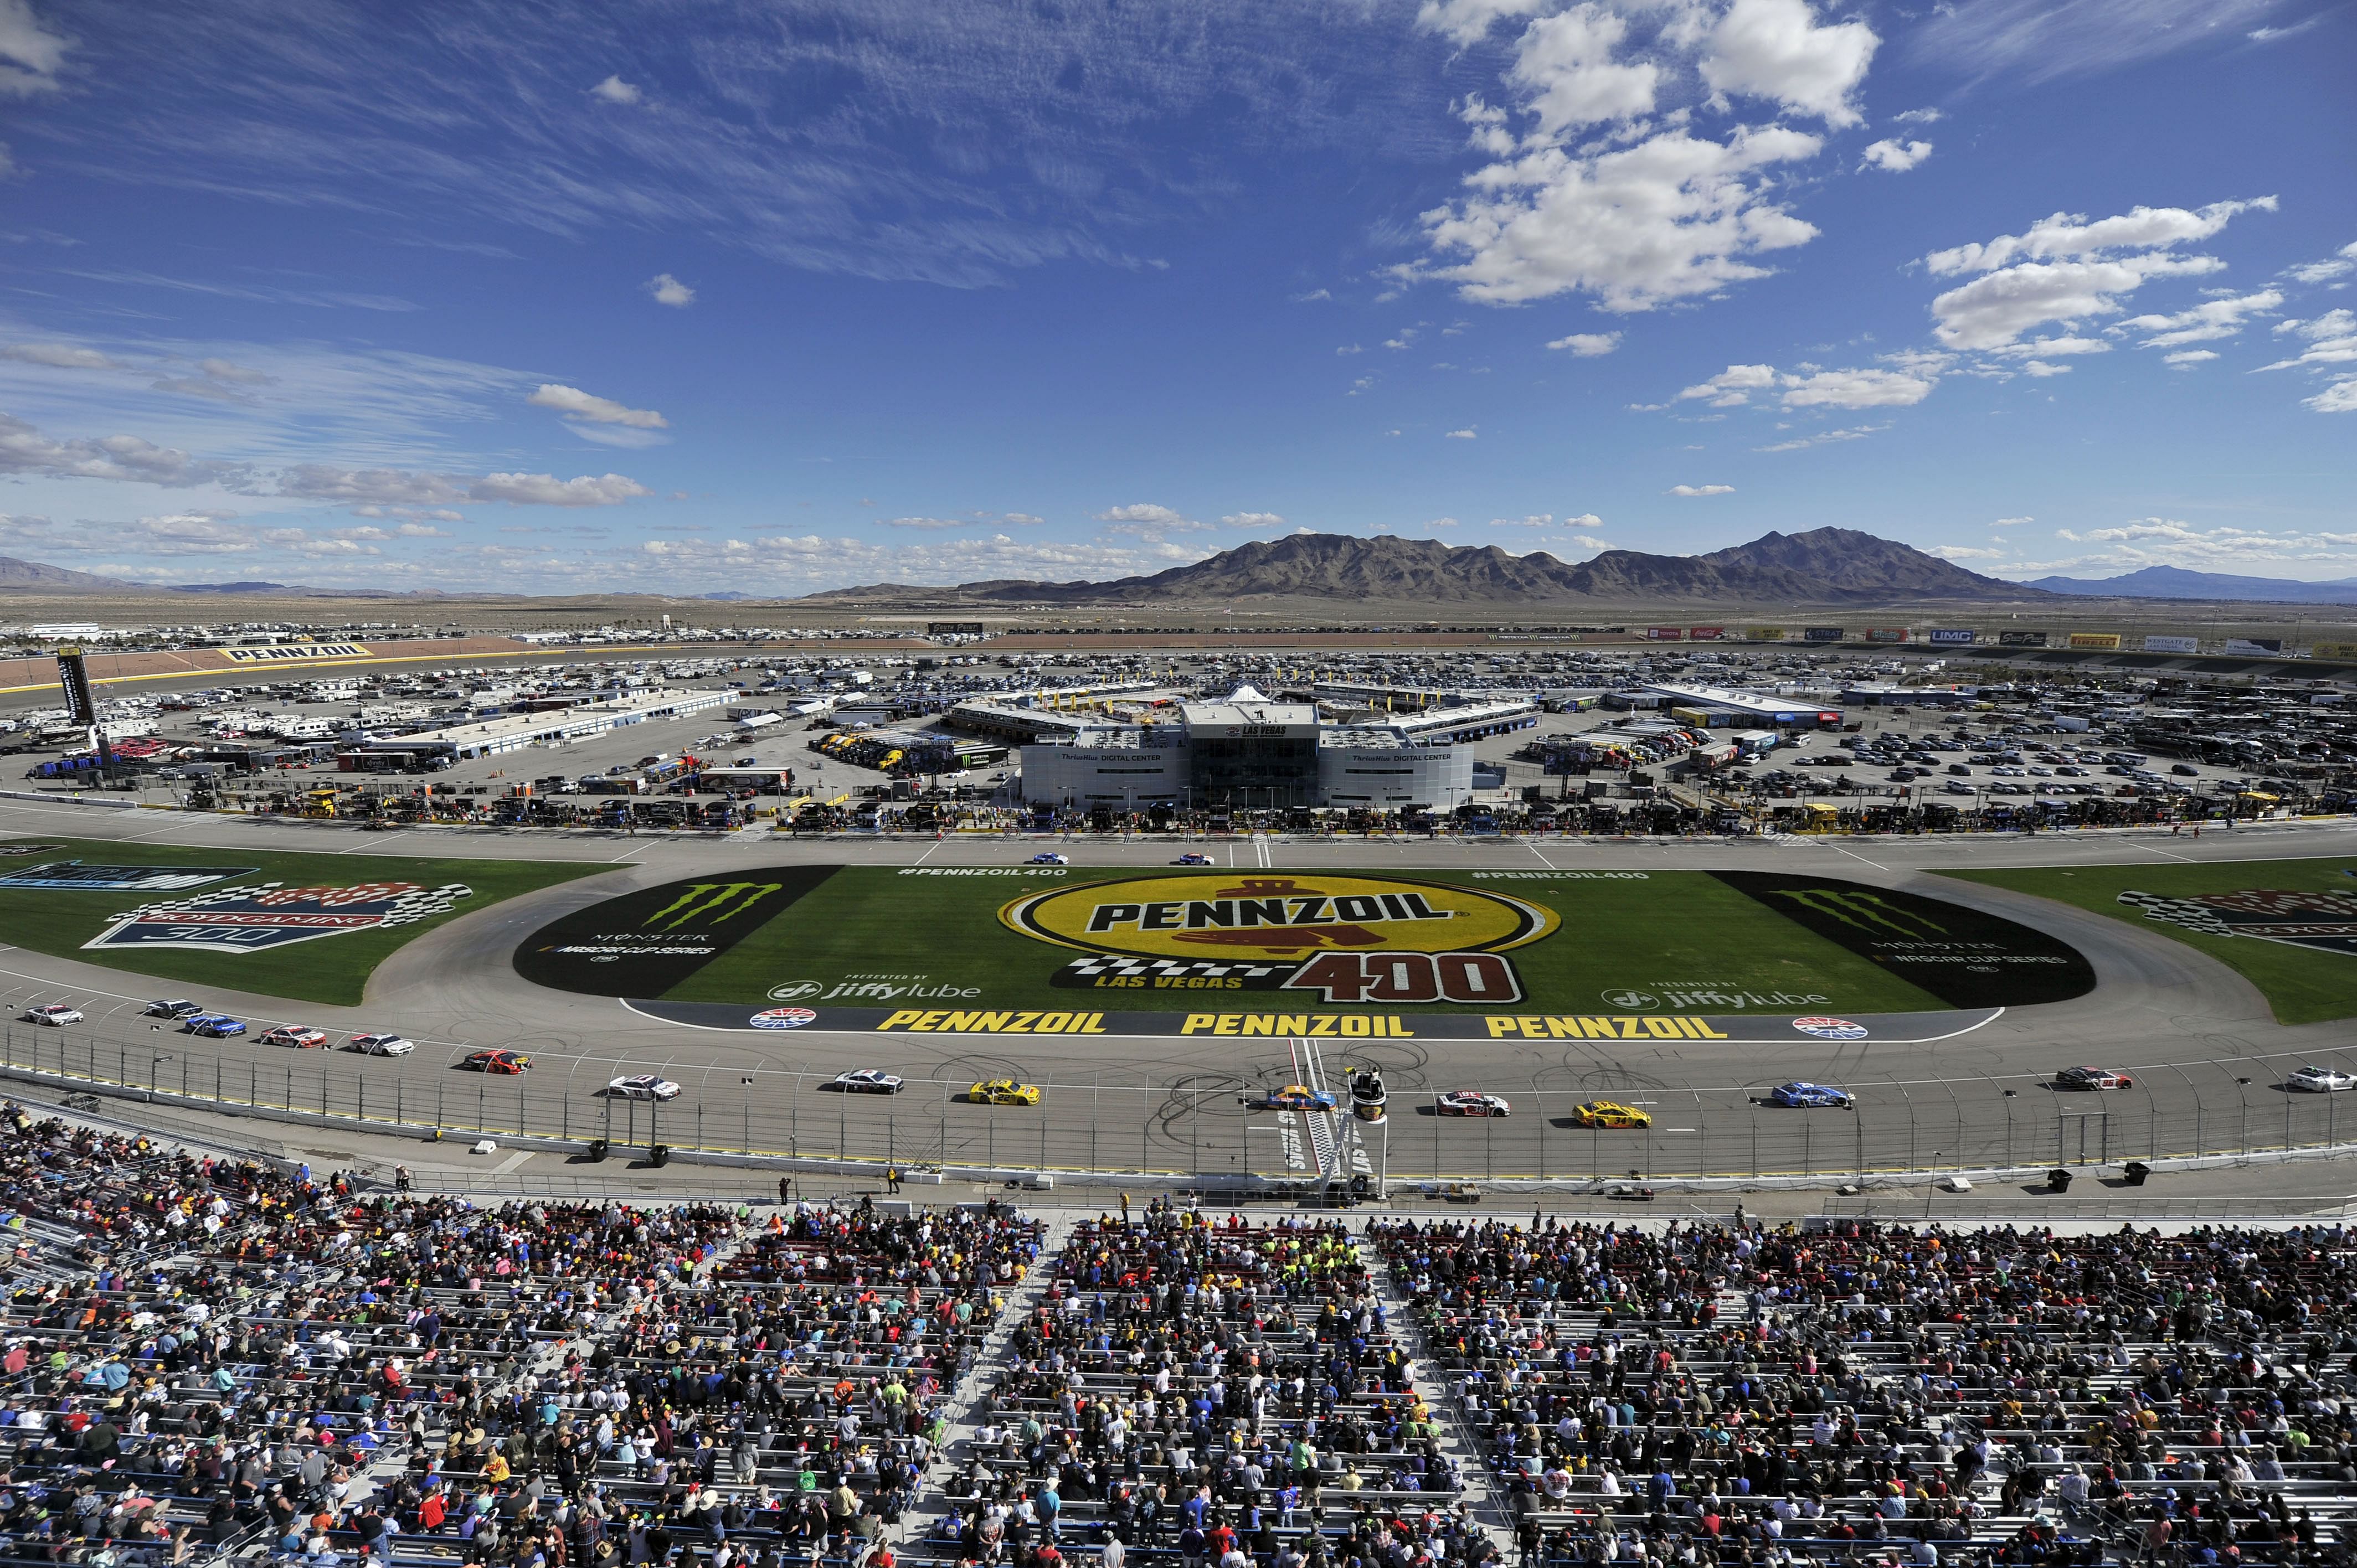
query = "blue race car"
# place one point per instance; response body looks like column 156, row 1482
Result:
column 215, row 1025
column 1805, row 1094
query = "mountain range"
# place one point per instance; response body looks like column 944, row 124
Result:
column 2177, row 583
column 1824, row 565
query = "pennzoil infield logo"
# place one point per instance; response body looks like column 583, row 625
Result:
column 1347, row 938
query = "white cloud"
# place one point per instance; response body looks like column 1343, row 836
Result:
column 1468, row 21
column 1587, row 345
column 2038, row 40
column 2269, row 35
column 1252, row 519
column 1965, row 553
column 1733, row 386
column 575, row 403
column 2013, row 522
column 1143, row 512
column 614, row 89
column 1894, row 156
column 2185, row 357
column 1702, row 490
column 2070, row 234
column 1313, row 296
column 25, row 450
column 59, row 357
column 1857, row 389
column 2340, row 263
column 1569, row 77
column 2054, row 347
column 930, row 523
column 1776, row 50
column 2040, row 370
column 1351, row 348
column 2161, row 540
column 1465, row 435
column 546, row 489
column 669, row 290
column 370, row 487
column 1536, row 519
column 1918, row 117
column 31, row 55
column 1992, row 311
column 1823, row 438
column 2341, row 397
column 2210, row 320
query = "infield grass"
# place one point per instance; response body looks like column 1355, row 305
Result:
column 331, row 970
column 1668, row 932
column 2302, row 985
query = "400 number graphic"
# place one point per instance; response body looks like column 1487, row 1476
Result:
column 1469, row 979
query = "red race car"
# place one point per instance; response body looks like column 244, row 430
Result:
column 500, row 1064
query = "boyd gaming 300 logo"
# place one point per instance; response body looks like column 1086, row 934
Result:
column 1349, row 939
column 2324, row 922
column 268, row 915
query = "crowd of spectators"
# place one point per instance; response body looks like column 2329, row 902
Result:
column 1717, row 1394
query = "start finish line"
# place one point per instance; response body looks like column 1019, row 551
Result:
column 1893, row 1028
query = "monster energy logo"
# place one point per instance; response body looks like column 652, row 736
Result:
column 713, row 902
column 1866, row 912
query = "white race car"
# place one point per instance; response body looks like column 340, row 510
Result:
column 381, row 1045
column 57, row 1014
column 2320, row 1080
column 643, row 1086
column 1473, row 1102
column 866, row 1080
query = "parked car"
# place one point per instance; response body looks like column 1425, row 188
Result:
column 1808, row 1094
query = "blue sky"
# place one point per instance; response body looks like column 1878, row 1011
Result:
column 724, row 294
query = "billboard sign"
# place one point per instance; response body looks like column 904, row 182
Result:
column 1824, row 634
column 1765, row 633
column 2256, row 647
column 1705, row 633
column 2172, row 645
column 1665, row 633
column 1885, row 634
column 2095, row 642
column 1950, row 636
column 2022, row 640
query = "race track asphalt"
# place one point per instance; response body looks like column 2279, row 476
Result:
column 2207, row 1058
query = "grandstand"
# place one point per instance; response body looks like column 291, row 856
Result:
column 204, row 1357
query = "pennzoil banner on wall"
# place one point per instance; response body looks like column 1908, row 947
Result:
column 296, row 652
column 1045, row 950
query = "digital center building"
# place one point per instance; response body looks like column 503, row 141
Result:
column 1250, row 752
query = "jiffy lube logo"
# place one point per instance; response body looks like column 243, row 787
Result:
column 1353, row 939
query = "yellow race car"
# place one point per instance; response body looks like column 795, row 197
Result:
column 1609, row 1114
column 1004, row 1091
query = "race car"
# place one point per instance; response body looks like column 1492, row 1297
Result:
column 381, row 1045
column 1297, row 1097
column 865, row 1080
column 1804, row 1094
column 1472, row 1102
column 297, row 1035
column 500, row 1064
column 2320, row 1080
column 217, row 1025
column 2090, row 1078
column 1004, row 1091
column 1192, row 858
column 178, row 1007
column 1048, row 857
column 1609, row 1114
column 57, row 1014
column 643, row 1086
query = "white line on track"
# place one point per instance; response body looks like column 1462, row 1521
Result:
column 1533, row 846
column 1854, row 855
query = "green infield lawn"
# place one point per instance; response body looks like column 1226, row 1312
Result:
column 329, row 968
column 2303, row 985
column 906, row 938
